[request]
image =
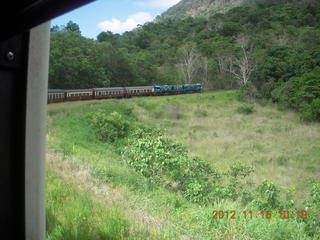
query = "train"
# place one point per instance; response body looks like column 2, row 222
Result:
column 62, row 95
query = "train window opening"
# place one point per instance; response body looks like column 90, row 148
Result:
column 87, row 144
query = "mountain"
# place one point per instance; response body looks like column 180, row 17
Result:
column 199, row 7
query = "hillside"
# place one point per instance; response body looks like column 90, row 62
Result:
column 195, row 8
column 157, row 168
column 268, row 48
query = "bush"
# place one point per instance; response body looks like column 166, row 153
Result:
column 110, row 127
column 240, row 170
column 246, row 109
column 313, row 207
column 301, row 93
column 234, row 187
column 248, row 92
column 268, row 197
column 159, row 159
column 310, row 112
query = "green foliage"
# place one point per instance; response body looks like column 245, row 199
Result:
column 240, row 170
column 108, row 37
column 159, row 159
column 268, row 197
column 234, row 186
column 72, row 27
column 110, row 126
column 246, row 109
column 230, row 29
column 313, row 208
column 301, row 93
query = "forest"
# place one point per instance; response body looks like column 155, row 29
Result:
column 269, row 49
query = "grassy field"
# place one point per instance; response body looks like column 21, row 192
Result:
column 93, row 193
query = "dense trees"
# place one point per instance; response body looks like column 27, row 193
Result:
column 273, row 46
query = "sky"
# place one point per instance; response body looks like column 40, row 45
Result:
column 116, row 16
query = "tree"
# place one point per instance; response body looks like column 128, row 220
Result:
column 108, row 36
column 72, row 27
column 241, row 66
column 54, row 29
column 189, row 62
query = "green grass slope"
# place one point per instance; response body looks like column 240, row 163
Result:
column 97, row 187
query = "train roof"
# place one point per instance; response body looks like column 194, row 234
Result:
column 79, row 90
column 56, row 90
column 121, row 88
column 106, row 89
column 134, row 87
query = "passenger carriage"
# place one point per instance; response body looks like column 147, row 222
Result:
column 78, row 94
column 139, row 91
column 116, row 92
column 56, row 95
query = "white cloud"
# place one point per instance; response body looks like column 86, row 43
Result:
column 117, row 26
column 157, row 4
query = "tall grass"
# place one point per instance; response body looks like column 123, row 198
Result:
column 71, row 214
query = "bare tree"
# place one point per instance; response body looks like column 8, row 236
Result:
column 241, row 67
column 205, row 70
column 189, row 62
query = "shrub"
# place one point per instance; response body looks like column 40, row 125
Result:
column 232, row 185
column 162, row 160
column 268, row 197
column 240, row 170
column 301, row 93
column 246, row 109
column 247, row 92
column 310, row 112
column 110, row 126
column 313, row 207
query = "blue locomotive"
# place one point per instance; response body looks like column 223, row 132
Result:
column 178, row 89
